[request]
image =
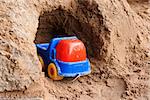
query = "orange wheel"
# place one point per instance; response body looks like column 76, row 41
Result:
column 42, row 62
column 53, row 73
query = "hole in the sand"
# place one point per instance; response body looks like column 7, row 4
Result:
column 65, row 23
column 60, row 22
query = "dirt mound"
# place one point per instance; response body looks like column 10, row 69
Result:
column 116, row 37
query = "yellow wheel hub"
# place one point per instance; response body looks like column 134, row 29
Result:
column 42, row 62
column 53, row 73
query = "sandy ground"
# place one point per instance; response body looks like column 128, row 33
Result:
column 142, row 9
column 116, row 82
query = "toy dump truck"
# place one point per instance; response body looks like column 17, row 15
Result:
column 64, row 57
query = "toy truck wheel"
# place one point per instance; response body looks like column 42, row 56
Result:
column 42, row 62
column 53, row 73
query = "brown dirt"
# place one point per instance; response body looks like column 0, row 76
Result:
column 115, row 32
column 142, row 8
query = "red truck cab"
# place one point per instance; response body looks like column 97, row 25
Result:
column 70, row 51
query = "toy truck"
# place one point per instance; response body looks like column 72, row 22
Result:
column 63, row 57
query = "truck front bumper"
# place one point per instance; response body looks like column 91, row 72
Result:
column 72, row 69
